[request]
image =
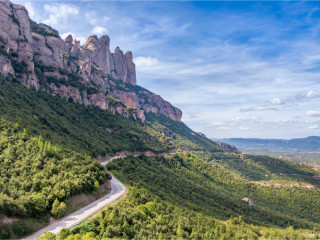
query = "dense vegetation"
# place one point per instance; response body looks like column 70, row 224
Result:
column 145, row 216
column 83, row 129
column 185, row 197
column 207, row 187
column 34, row 173
column 90, row 129
column 259, row 167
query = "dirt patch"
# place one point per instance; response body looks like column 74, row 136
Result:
column 4, row 220
column 289, row 185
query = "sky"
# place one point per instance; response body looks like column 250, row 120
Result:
column 235, row 69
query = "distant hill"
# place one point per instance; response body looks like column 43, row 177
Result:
column 309, row 144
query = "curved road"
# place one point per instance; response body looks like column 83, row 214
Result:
column 117, row 190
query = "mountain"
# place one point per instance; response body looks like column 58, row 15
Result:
column 66, row 107
column 309, row 144
column 90, row 74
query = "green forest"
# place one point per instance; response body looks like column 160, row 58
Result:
column 36, row 175
column 89, row 129
column 182, row 197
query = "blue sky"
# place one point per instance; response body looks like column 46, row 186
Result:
column 235, row 69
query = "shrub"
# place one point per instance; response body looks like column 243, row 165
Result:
column 58, row 209
column 19, row 67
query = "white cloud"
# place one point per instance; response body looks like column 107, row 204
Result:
column 217, row 123
column 313, row 113
column 143, row 63
column 90, row 18
column 277, row 101
column 106, row 19
column 288, row 121
column 299, row 98
column 223, row 128
column 59, row 12
column 249, row 119
column 313, row 127
column 99, row 30
column 312, row 94
column 32, row 12
column 75, row 36
column 259, row 108
column 244, row 128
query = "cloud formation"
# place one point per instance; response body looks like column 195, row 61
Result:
column 313, row 113
column 99, row 30
column 59, row 12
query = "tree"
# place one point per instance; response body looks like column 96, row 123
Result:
column 47, row 236
column 39, row 203
column 58, row 209
column 180, row 231
column 64, row 233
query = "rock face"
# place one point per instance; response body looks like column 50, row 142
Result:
column 226, row 146
column 249, row 201
column 90, row 74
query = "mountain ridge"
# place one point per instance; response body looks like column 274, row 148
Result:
column 308, row 144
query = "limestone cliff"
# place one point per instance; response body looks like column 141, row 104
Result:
column 89, row 74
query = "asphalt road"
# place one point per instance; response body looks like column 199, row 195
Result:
column 117, row 190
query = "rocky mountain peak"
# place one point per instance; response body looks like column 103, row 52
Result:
column 92, row 40
column 69, row 39
column 90, row 74
column 116, row 50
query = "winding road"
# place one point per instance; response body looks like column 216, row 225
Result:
column 118, row 189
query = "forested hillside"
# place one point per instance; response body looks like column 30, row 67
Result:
column 90, row 129
column 185, row 197
column 47, row 145
column 34, row 174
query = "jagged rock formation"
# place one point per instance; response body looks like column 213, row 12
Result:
column 202, row 134
column 90, row 74
column 226, row 146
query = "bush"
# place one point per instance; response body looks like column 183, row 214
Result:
column 19, row 67
column 58, row 209
column 96, row 186
column 47, row 236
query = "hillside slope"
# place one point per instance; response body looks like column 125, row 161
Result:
column 91, row 129
column 182, row 196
